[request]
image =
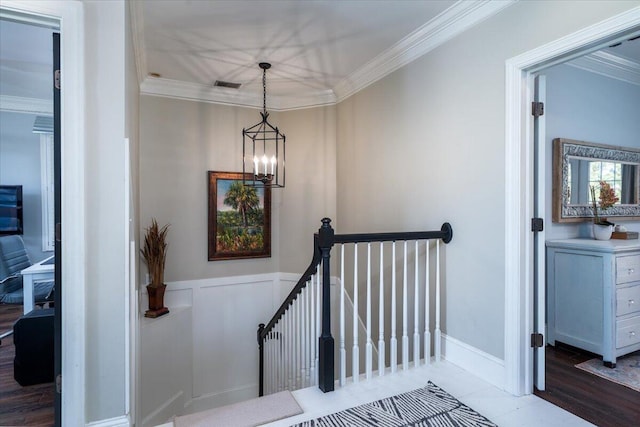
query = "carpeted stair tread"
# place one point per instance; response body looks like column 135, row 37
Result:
column 249, row 413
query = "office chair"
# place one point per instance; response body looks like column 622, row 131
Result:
column 13, row 259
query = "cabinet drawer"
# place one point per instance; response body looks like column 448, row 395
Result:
column 627, row 300
column 627, row 269
column 627, row 332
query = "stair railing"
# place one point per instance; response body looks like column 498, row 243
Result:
column 296, row 344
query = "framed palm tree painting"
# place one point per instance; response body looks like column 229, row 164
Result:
column 239, row 218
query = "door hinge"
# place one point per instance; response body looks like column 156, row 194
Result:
column 537, row 109
column 56, row 79
column 59, row 383
column 537, row 340
column 537, row 224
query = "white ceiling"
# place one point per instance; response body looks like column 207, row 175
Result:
column 321, row 51
column 312, row 45
column 26, row 60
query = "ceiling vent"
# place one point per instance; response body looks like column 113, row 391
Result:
column 230, row 85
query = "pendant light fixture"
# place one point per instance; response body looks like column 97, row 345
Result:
column 263, row 148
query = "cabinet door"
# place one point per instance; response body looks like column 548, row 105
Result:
column 579, row 300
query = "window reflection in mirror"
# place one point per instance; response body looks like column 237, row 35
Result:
column 584, row 173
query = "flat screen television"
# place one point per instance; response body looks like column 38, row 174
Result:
column 10, row 209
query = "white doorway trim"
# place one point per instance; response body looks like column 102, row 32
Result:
column 70, row 16
column 519, row 175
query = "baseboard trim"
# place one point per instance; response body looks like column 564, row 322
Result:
column 477, row 362
column 122, row 421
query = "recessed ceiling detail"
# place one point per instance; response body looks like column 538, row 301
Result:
column 322, row 51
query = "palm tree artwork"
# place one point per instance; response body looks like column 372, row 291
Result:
column 240, row 218
column 243, row 199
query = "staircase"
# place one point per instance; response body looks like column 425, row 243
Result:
column 386, row 286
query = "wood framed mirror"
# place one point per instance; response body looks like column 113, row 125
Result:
column 578, row 165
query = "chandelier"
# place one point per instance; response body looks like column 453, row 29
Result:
column 263, row 148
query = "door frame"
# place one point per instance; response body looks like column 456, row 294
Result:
column 519, row 176
column 70, row 18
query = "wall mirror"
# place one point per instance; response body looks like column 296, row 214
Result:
column 577, row 165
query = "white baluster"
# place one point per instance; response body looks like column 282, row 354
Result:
column 369, row 345
column 437, row 334
column 405, row 327
column 272, row 375
column 289, row 349
column 381, row 315
column 416, row 312
column 427, row 308
column 343, row 351
column 304, row 338
column 270, row 388
column 312, row 326
column 279, row 357
column 393, row 350
column 299, row 335
column 355, row 365
column 283, row 385
column 307, row 331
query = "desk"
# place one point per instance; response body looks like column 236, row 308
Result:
column 43, row 270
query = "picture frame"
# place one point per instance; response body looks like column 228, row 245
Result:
column 239, row 220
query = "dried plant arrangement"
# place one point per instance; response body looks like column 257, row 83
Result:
column 154, row 252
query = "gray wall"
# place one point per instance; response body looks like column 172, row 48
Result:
column 181, row 140
column 587, row 107
column 20, row 165
column 426, row 144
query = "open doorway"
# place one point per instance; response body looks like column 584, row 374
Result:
column 595, row 99
column 521, row 302
column 28, row 150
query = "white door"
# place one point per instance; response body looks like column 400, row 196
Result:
column 539, row 191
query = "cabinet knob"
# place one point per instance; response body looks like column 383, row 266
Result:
column 630, row 271
column 632, row 334
column 631, row 302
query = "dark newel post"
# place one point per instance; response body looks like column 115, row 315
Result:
column 325, row 342
column 261, row 368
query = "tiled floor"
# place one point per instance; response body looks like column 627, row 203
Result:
column 497, row 405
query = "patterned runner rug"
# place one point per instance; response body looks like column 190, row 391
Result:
column 626, row 372
column 428, row 406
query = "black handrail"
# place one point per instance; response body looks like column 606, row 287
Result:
column 323, row 241
column 263, row 330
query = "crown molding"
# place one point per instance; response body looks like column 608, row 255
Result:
column 196, row 92
column 609, row 65
column 17, row 104
column 137, row 33
column 453, row 21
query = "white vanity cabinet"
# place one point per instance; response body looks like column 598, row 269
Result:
column 593, row 295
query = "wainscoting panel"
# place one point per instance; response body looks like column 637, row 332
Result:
column 220, row 339
column 166, row 349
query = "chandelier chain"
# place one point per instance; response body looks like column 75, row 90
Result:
column 264, row 91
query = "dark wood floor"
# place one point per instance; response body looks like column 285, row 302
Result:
column 20, row 406
column 601, row 402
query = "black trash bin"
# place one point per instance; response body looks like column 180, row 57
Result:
column 33, row 339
